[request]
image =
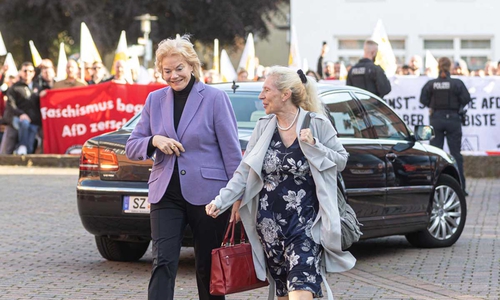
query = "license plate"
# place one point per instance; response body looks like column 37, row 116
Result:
column 136, row 205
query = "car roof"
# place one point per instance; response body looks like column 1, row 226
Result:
column 256, row 86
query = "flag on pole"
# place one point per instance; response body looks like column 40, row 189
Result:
column 62, row 61
column 294, row 61
column 343, row 71
column 9, row 61
column 121, row 52
column 305, row 65
column 385, row 56
column 3, row 50
column 37, row 59
column 88, row 50
column 227, row 71
column 431, row 65
column 216, row 56
column 247, row 60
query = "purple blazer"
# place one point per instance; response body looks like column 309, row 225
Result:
column 207, row 130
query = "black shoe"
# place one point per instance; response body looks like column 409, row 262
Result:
column 466, row 193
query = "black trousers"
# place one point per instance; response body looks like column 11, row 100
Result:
column 169, row 218
column 448, row 124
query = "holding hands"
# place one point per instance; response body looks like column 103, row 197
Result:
column 212, row 210
column 167, row 145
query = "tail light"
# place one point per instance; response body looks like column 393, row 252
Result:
column 95, row 158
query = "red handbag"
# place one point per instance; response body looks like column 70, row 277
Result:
column 232, row 266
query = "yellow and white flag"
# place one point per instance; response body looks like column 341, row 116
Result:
column 3, row 50
column 294, row 61
column 9, row 61
column 121, row 52
column 227, row 71
column 343, row 71
column 37, row 59
column 431, row 65
column 385, row 56
column 88, row 50
column 216, row 56
column 62, row 61
column 247, row 60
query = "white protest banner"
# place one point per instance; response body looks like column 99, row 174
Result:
column 481, row 130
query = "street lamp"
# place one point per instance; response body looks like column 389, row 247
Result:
column 146, row 29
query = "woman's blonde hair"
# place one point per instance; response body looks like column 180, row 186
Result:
column 304, row 95
column 182, row 46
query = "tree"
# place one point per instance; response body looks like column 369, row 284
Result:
column 49, row 22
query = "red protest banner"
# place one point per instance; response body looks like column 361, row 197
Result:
column 72, row 116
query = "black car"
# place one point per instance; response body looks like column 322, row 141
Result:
column 396, row 184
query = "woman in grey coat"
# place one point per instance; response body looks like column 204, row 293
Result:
column 287, row 185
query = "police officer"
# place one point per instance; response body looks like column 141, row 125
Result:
column 368, row 76
column 446, row 97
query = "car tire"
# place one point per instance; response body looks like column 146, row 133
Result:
column 120, row 250
column 447, row 219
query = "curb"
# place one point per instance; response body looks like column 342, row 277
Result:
column 41, row 160
column 474, row 166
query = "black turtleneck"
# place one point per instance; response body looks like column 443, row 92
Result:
column 180, row 99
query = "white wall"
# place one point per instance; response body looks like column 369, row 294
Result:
column 328, row 20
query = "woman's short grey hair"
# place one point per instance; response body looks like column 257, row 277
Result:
column 182, row 46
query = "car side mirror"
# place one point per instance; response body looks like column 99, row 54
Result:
column 424, row 132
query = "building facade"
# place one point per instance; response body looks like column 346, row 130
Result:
column 458, row 29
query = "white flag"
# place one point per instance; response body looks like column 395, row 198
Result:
column 227, row 71
column 121, row 52
column 431, row 65
column 62, row 61
column 3, row 50
column 385, row 56
column 9, row 61
column 88, row 50
column 294, row 61
column 247, row 60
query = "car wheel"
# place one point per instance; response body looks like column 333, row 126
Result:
column 447, row 219
column 120, row 250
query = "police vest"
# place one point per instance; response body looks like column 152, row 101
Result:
column 363, row 76
column 443, row 96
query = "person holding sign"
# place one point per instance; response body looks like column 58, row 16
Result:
column 446, row 97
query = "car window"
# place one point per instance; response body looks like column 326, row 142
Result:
column 247, row 108
column 387, row 124
column 346, row 114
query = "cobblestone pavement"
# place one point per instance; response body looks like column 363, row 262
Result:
column 46, row 254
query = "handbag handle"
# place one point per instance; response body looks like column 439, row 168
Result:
column 231, row 228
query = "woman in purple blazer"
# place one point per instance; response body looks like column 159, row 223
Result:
column 192, row 129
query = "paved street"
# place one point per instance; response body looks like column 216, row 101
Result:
column 46, row 254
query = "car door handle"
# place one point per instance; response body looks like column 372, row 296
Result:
column 391, row 156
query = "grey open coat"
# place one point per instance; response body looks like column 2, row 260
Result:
column 326, row 157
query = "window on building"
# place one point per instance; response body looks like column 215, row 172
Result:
column 438, row 44
column 475, row 44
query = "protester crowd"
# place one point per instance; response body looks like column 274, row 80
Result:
column 20, row 118
column 95, row 73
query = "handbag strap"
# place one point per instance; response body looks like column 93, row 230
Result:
column 231, row 228
column 307, row 121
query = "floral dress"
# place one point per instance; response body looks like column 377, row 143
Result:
column 288, row 207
